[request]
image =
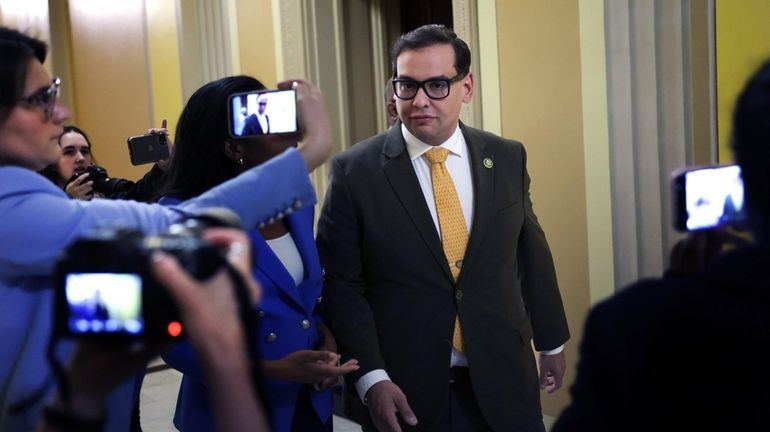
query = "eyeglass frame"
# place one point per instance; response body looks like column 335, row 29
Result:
column 44, row 98
column 421, row 85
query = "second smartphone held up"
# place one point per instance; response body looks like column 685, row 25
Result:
column 147, row 148
column 263, row 112
column 707, row 197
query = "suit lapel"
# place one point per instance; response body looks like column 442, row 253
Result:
column 483, row 191
column 400, row 174
column 301, row 226
column 269, row 265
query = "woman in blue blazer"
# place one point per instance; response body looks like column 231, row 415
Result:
column 298, row 353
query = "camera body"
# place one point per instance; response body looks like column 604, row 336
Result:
column 102, row 182
column 106, row 288
column 707, row 197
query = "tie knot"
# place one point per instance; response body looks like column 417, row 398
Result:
column 437, row 155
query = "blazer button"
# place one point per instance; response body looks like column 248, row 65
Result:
column 305, row 324
column 458, row 294
column 271, row 337
column 319, row 299
column 260, row 314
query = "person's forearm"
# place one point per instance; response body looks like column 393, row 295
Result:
column 233, row 394
column 264, row 192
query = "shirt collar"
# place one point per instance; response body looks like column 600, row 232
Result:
column 417, row 148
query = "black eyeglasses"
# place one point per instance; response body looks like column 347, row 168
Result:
column 45, row 98
column 435, row 88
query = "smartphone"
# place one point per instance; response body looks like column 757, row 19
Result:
column 707, row 197
column 263, row 112
column 103, row 304
column 147, row 148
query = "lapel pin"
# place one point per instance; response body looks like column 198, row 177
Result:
column 488, row 163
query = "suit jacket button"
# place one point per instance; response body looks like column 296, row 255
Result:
column 260, row 314
column 305, row 324
column 271, row 337
column 319, row 299
column 458, row 294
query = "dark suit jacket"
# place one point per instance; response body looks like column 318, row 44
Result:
column 391, row 300
column 678, row 353
column 251, row 126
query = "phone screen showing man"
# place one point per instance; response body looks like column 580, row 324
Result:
column 714, row 196
column 269, row 112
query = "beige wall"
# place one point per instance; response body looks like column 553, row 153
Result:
column 742, row 44
column 540, row 92
column 110, row 78
column 256, row 42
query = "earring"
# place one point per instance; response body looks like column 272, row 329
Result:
column 240, row 161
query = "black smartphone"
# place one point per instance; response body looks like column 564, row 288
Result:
column 147, row 148
column 707, row 197
column 264, row 112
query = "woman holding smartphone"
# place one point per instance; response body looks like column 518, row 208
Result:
column 298, row 353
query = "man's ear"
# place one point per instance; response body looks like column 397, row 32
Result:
column 232, row 150
column 468, row 88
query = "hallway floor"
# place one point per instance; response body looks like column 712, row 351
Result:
column 158, row 400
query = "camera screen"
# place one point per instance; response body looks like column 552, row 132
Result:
column 104, row 303
column 262, row 113
column 714, row 196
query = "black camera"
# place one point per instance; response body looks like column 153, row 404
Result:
column 105, row 286
column 102, row 182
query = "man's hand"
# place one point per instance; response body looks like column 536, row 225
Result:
column 385, row 400
column 308, row 366
column 552, row 369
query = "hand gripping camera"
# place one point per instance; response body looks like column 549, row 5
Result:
column 105, row 286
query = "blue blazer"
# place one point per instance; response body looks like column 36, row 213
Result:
column 284, row 308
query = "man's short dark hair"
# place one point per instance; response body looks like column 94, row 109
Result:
column 429, row 35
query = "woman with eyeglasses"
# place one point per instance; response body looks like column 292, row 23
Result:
column 39, row 221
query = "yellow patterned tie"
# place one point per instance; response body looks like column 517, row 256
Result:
column 454, row 232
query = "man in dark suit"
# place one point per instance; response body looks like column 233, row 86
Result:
column 441, row 341
column 690, row 352
column 257, row 123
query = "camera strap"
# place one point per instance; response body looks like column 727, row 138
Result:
column 249, row 321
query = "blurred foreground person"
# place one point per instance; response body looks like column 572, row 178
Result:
column 690, row 352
